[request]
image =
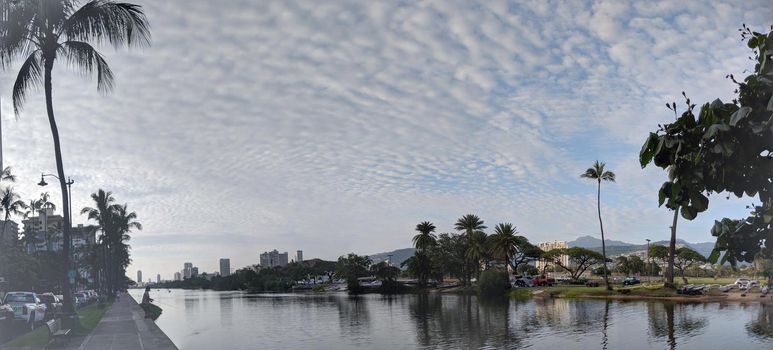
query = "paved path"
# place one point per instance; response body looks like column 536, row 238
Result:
column 125, row 327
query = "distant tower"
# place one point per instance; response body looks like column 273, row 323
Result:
column 299, row 256
column 158, row 278
column 139, row 276
column 225, row 267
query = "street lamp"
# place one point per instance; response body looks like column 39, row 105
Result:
column 649, row 273
column 70, row 272
column 69, row 183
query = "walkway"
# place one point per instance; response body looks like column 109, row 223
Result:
column 124, row 327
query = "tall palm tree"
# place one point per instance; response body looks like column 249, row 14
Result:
column 124, row 222
column 597, row 173
column 423, row 241
column 504, row 242
column 470, row 225
column 41, row 31
column 102, row 214
column 426, row 238
column 11, row 203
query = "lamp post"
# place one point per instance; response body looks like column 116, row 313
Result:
column 649, row 273
column 42, row 183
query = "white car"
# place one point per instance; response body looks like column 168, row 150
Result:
column 746, row 283
column 26, row 307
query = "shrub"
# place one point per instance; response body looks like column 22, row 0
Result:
column 493, row 283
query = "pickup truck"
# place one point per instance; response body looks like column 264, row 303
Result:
column 543, row 281
column 26, row 307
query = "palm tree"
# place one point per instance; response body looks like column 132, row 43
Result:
column 123, row 223
column 597, row 172
column 7, row 175
column 426, row 238
column 102, row 214
column 504, row 242
column 470, row 225
column 11, row 203
column 40, row 32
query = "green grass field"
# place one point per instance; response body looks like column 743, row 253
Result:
column 37, row 339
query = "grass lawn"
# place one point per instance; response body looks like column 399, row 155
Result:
column 569, row 291
column 37, row 339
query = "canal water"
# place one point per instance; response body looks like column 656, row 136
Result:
column 196, row 319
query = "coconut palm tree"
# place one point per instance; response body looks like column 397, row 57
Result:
column 11, row 203
column 102, row 214
column 40, row 32
column 597, row 173
column 504, row 242
column 426, row 238
column 470, row 225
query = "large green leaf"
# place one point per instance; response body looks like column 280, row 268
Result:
column 689, row 212
column 714, row 129
column 699, row 201
column 740, row 114
column 647, row 150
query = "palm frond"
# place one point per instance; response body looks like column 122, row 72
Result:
column 608, row 176
column 82, row 55
column 30, row 75
column 17, row 30
column 108, row 21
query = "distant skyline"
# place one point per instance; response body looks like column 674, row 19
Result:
column 335, row 127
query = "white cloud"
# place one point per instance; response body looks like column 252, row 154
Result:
column 336, row 126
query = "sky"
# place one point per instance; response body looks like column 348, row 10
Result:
column 337, row 126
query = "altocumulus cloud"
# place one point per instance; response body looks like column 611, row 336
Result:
column 336, row 126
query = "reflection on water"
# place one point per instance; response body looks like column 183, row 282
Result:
column 207, row 320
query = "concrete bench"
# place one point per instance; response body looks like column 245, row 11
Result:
column 55, row 330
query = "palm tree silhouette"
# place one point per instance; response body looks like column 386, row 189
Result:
column 471, row 226
column 505, row 242
column 597, row 172
column 12, row 204
column 426, row 238
column 40, row 32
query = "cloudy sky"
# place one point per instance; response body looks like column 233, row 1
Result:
column 336, row 126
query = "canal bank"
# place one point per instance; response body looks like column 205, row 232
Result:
column 124, row 326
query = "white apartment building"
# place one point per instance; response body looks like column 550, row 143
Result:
column 550, row 245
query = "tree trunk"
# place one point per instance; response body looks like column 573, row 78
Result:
column 672, row 253
column 603, row 242
column 684, row 279
column 66, row 291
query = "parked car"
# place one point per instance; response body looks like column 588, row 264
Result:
column 563, row 279
column 80, row 300
column 746, row 283
column 522, row 281
column 631, row 280
column 53, row 305
column 26, row 307
column 543, row 281
column 6, row 315
column 592, row 283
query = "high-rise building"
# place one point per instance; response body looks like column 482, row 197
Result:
column 139, row 276
column 158, row 278
column 45, row 229
column 187, row 270
column 225, row 267
column 194, row 271
column 546, row 246
column 178, row 276
column 273, row 259
column 299, row 256
column 11, row 230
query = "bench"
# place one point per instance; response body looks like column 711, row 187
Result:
column 55, row 330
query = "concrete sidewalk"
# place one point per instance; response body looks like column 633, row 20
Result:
column 125, row 327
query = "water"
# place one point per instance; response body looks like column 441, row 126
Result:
column 237, row 320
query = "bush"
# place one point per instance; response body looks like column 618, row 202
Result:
column 493, row 283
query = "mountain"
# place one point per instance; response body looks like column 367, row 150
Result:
column 398, row 256
column 615, row 248
column 592, row 242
